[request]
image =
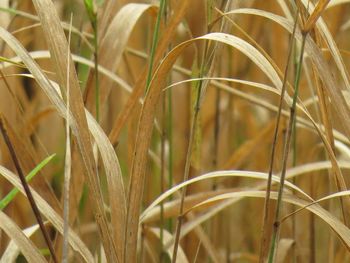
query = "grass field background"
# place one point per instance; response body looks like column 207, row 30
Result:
column 174, row 131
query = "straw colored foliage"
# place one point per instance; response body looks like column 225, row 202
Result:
column 174, row 131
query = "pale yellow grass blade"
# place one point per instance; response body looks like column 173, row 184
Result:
column 59, row 50
column 217, row 82
column 116, row 188
column 284, row 246
column 108, row 155
column 325, row 73
column 145, row 129
column 12, row 250
column 113, row 45
column 29, row 250
column 317, row 12
column 171, row 208
column 67, row 167
column 262, row 103
column 181, row 256
column 239, row 81
column 152, row 213
column 53, row 94
column 333, row 89
column 144, row 133
column 337, row 2
column 333, row 48
column 44, row 54
column 339, row 228
column 84, row 36
column 211, row 175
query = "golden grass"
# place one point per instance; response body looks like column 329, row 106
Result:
column 204, row 133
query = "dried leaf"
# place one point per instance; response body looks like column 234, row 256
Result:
column 12, row 250
column 321, row 6
column 29, row 250
column 181, row 257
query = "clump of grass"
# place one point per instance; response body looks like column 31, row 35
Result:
column 192, row 122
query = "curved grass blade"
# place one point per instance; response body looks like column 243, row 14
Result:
column 12, row 250
column 29, row 250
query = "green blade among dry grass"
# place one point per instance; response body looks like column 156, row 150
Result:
column 12, row 194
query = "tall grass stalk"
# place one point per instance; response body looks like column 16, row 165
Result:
column 155, row 42
column 276, row 226
column 91, row 7
column 264, row 238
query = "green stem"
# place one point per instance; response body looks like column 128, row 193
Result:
column 170, row 141
column 154, row 43
column 97, row 83
column 263, row 241
column 186, row 175
column 286, row 152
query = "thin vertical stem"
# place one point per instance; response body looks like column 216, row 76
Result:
column 97, row 82
column 154, row 43
column 162, row 176
column 186, row 176
column 263, row 241
column 67, row 168
column 276, row 225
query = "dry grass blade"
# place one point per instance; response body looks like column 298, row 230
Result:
column 29, row 250
column 171, row 208
column 12, row 250
column 54, row 218
column 67, row 168
column 152, row 212
column 330, row 41
column 28, row 160
column 311, row 21
column 335, row 195
column 110, row 160
column 78, row 120
column 340, row 229
column 146, row 121
column 337, row 2
column 181, row 256
column 284, row 246
column 174, row 21
column 4, row 131
column 127, row 86
column 239, row 156
column 58, row 47
column 44, row 54
column 333, row 90
column 84, row 36
column 332, row 87
column 216, row 174
column 217, row 82
column 239, row 81
column 143, row 135
column 251, row 52
column 111, row 48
